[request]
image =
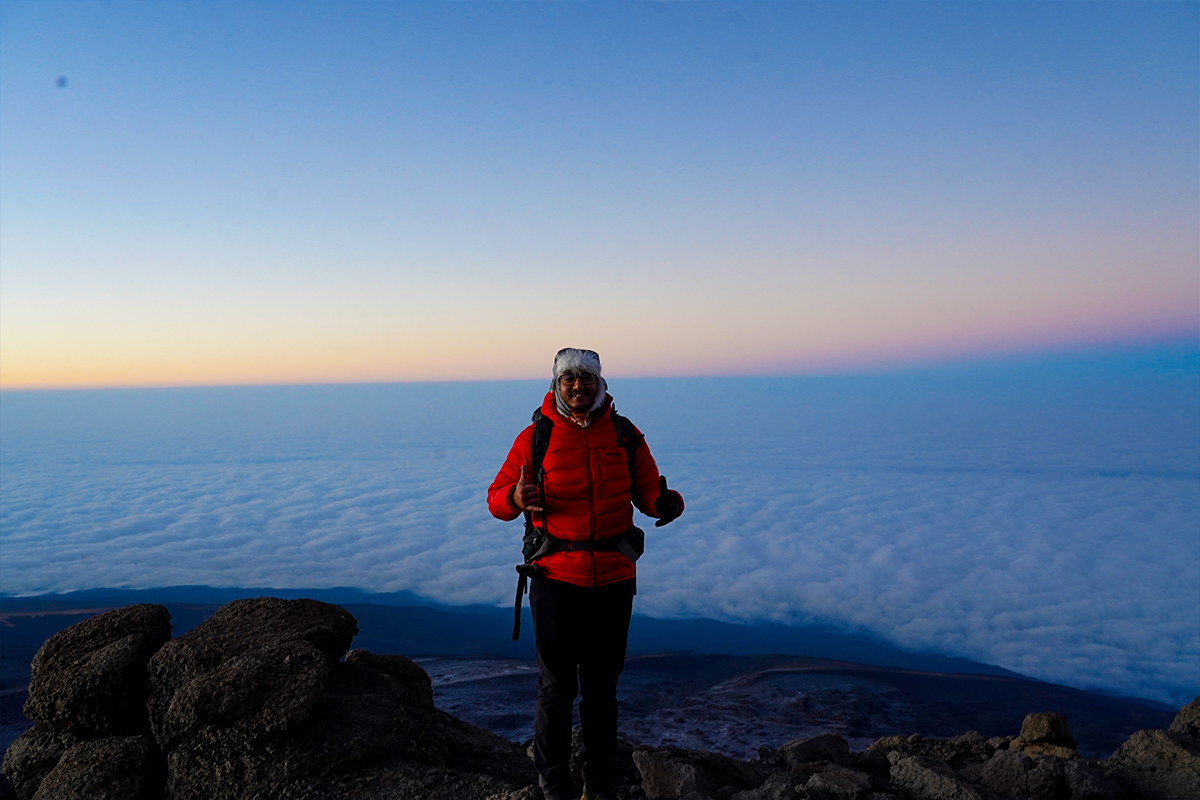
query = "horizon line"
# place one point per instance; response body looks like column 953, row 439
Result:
column 1187, row 343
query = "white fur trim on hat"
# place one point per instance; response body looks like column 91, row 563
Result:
column 572, row 359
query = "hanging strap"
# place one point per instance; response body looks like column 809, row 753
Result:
column 525, row 571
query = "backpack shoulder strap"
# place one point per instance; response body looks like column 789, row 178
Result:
column 629, row 438
column 542, row 425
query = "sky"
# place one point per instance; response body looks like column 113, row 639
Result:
column 275, row 193
column 1042, row 519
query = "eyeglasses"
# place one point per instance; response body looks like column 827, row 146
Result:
column 569, row 378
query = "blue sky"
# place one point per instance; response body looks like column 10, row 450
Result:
column 323, row 192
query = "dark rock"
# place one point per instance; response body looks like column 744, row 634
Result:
column 1046, row 727
column 874, row 763
column 368, row 733
column 959, row 752
column 1045, row 733
column 254, row 703
column 32, row 756
column 1014, row 773
column 91, row 677
column 829, row 747
column 1046, row 781
column 404, row 670
column 1005, row 772
column 112, row 768
column 266, row 690
column 1187, row 721
column 838, row 783
column 888, row 743
column 1157, row 765
column 672, row 772
column 1086, row 781
column 925, row 779
column 239, row 629
column 780, row 786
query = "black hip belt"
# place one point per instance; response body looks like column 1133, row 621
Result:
column 538, row 543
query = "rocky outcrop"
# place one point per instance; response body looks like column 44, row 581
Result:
column 1187, row 721
column 33, row 755
column 87, row 689
column 260, row 701
column 1038, row 764
column 91, row 678
column 1045, row 734
column 1161, row 765
column 112, row 768
column 672, row 772
column 265, row 700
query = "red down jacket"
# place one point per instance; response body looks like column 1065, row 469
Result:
column 588, row 493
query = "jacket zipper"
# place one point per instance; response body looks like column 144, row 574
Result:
column 587, row 452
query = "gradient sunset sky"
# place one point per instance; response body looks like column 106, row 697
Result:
column 229, row 193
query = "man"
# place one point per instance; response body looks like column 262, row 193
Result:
column 579, row 511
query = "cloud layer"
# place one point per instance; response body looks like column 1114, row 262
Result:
column 1046, row 525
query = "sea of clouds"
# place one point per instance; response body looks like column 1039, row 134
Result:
column 1046, row 520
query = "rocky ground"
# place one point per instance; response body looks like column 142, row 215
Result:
column 735, row 705
column 265, row 700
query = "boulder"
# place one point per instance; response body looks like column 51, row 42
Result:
column 959, row 752
column 91, row 677
column 253, row 703
column 365, row 716
column 250, row 630
column 672, row 772
column 404, row 670
column 780, row 786
column 32, row 756
column 1086, row 781
column 923, row 778
column 1187, row 721
column 267, row 690
column 828, row 747
column 1157, row 765
column 112, row 768
column 1046, row 727
column 1017, row 774
column 1045, row 733
column 888, row 743
column 838, row 783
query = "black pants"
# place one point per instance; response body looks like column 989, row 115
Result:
column 580, row 638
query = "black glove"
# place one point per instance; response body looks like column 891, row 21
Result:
column 669, row 504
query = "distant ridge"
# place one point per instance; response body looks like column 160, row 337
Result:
column 433, row 628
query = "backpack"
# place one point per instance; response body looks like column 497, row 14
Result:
column 537, row 543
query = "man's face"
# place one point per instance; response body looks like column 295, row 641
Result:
column 578, row 390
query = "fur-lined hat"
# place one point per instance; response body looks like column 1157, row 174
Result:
column 573, row 359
